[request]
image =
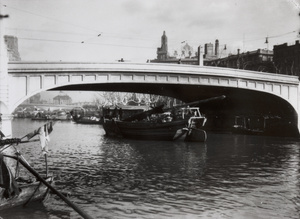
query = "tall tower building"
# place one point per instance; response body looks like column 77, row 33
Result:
column 208, row 49
column 210, row 52
column 162, row 52
column 164, row 42
column 217, row 48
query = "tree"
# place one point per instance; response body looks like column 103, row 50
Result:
column 121, row 98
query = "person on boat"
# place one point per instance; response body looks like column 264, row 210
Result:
column 186, row 112
column 189, row 111
column 115, row 113
column 7, row 180
column 120, row 113
column 1, row 135
column 174, row 113
column 107, row 113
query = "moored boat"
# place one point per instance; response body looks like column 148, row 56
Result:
column 28, row 192
column 184, row 121
column 42, row 116
column 150, row 130
column 111, row 129
column 185, row 125
column 88, row 120
column 17, row 190
column 61, row 115
column 14, row 191
column 87, row 115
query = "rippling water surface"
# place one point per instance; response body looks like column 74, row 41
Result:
column 229, row 176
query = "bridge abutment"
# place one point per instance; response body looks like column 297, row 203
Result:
column 5, row 116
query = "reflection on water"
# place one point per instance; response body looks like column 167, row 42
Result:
column 229, row 176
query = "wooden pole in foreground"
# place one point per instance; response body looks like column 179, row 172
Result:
column 71, row 204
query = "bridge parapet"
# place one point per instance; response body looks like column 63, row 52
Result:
column 66, row 67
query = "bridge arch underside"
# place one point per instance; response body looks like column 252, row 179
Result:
column 242, row 110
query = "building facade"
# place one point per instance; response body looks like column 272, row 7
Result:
column 162, row 52
column 209, row 51
column 12, row 48
column 62, row 99
column 287, row 59
column 187, row 55
column 258, row 60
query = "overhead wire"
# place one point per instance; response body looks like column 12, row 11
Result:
column 84, row 27
column 54, row 19
column 47, row 31
column 104, row 34
column 274, row 36
column 77, row 42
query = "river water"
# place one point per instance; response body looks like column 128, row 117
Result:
column 229, row 176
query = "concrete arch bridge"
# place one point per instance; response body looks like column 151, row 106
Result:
column 248, row 93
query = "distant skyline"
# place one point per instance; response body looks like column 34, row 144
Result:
column 77, row 96
column 106, row 31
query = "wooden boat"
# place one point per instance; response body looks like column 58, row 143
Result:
column 89, row 115
column 150, row 130
column 61, row 115
column 249, row 125
column 110, row 127
column 88, row 120
column 181, row 122
column 29, row 192
column 20, row 188
column 163, row 127
column 42, row 116
column 15, row 190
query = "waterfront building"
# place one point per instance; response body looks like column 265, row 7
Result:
column 257, row 60
column 209, row 52
column 287, row 59
column 62, row 99
column 187, row 55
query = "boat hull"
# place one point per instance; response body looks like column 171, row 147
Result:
column 195, row 135
column 86, row 120
column 33, row 191
column 150, row 131
column 111, row 129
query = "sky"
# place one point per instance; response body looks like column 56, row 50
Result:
column 108, row 30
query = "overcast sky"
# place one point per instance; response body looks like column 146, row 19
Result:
column 107, row 30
